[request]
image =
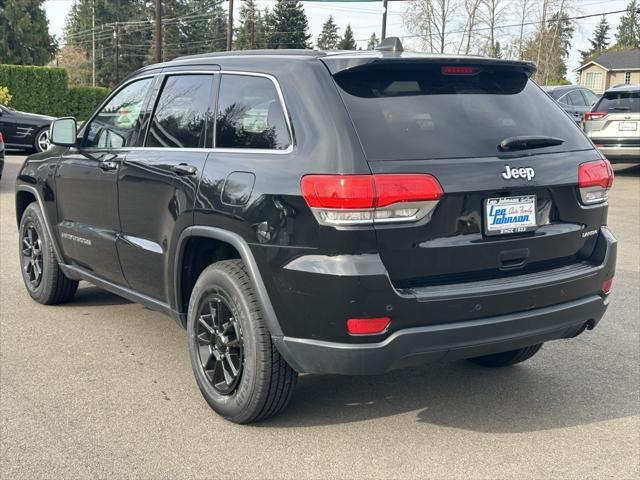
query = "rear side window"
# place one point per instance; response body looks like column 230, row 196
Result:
column 414, row 111
column 576, row 98
column 250, row 114
column 182, row 112
column 619, row 102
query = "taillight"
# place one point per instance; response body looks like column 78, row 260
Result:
column 594, row 115
column 594, row 181
column 367, row 199
column 1, row 139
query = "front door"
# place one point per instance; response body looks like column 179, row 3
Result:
column 158, row 183
column 86, row 184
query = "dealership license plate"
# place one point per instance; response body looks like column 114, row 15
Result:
column 628, row 126
column 510, row 215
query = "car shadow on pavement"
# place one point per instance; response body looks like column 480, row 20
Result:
column 541, row 394
column 626, row 170
column 90, row 296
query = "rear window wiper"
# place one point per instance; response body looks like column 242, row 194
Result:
column 528, row 141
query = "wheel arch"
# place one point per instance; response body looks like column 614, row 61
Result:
column 25, row 196
column 242, row 250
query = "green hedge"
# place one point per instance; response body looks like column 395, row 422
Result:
column 84, row 100
column 46, row 90
column 36, row 89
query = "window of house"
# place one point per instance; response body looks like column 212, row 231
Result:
column 114, row 126
column 594, row 80
column 182, row 112
column 250, row 114
column 627, row 78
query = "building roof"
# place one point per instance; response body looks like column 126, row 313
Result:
column 617, row 60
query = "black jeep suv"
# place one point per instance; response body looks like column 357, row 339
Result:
column 336, row 213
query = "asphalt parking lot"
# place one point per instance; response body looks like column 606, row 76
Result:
column 102, row 388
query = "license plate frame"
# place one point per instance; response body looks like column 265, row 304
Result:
column 626, row 126
column 517, row 206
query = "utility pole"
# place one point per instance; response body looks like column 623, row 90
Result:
column 93, row 44
column 230, row 26
column 158, row 31
column 116, row 41
column 384, row 20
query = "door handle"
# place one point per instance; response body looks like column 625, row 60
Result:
column 108, row 165
column 184, row 169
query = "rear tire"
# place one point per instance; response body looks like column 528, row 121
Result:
column 505, row 359
column 237, row 367
column 41, row 272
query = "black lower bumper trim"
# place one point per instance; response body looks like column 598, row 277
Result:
column 445, row 341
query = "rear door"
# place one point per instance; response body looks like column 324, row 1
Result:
column 157, row 183
column 448, row 121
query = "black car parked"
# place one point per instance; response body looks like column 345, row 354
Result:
column 574, row 100
column 24, row 131
column 336, row 213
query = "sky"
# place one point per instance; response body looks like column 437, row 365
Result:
column 366, row 18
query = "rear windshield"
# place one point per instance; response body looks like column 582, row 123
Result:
column 619, row 102
column 406, row 112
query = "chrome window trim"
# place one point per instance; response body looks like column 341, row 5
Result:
column 261, row 151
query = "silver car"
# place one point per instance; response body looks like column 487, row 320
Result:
column 613, row 124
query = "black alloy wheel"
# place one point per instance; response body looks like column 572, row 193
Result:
column 220, row 347
column 32, row 263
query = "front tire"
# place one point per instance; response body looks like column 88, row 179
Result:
column 505, row 359
column 237, row 367
column 41, row 272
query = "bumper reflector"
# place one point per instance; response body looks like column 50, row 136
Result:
column 606, row 286
column 367, row 326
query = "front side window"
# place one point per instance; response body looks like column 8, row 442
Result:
column 114, row 126
column 250, row 114
column 182, row 112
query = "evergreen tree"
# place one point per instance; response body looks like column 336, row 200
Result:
column 599, row 42
column 329, row 37
column 373, row 41
column 132, row 40
column 206, row 32
column 347, row 42
column 24, row 33
column 497, row 50
column 628, row 34
column 251, row 22
column 288, row 24
column 172, row 36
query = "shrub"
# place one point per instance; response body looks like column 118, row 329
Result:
column 82, row 101
column 5, row 98
column 36, row 89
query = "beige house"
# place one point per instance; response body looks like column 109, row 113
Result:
column 610, row 69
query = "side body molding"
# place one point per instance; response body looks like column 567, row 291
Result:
column 247, row 257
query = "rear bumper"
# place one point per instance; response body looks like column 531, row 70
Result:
column 442, row 324
column 620, row 153
column 445, row 342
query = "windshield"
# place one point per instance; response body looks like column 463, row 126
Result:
column 415, row 111
column 619, row 102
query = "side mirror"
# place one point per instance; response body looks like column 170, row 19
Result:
column 64, row 132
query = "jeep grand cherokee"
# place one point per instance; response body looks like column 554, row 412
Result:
column 321, row 212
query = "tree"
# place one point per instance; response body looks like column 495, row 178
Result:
column 471, row 8
column 289, row 27
column 250, row 33
column 492, row 14
column 204, row 27
column 373, row 41
column 329, row 37
column 24, row 33
column 172, row 36
column 432, row 21
column 74, row 60
column 524, row 10
column 599, row 42
column 628, row 34
column 347, row 42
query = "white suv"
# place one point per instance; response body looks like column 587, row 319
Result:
column 613, row 124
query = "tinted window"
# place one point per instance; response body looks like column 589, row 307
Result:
column 115, row 125
column 619, row 102
column 575, row 98
column 182, row 112
column 250, row 114
column 590, row 97
column 417, row 112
